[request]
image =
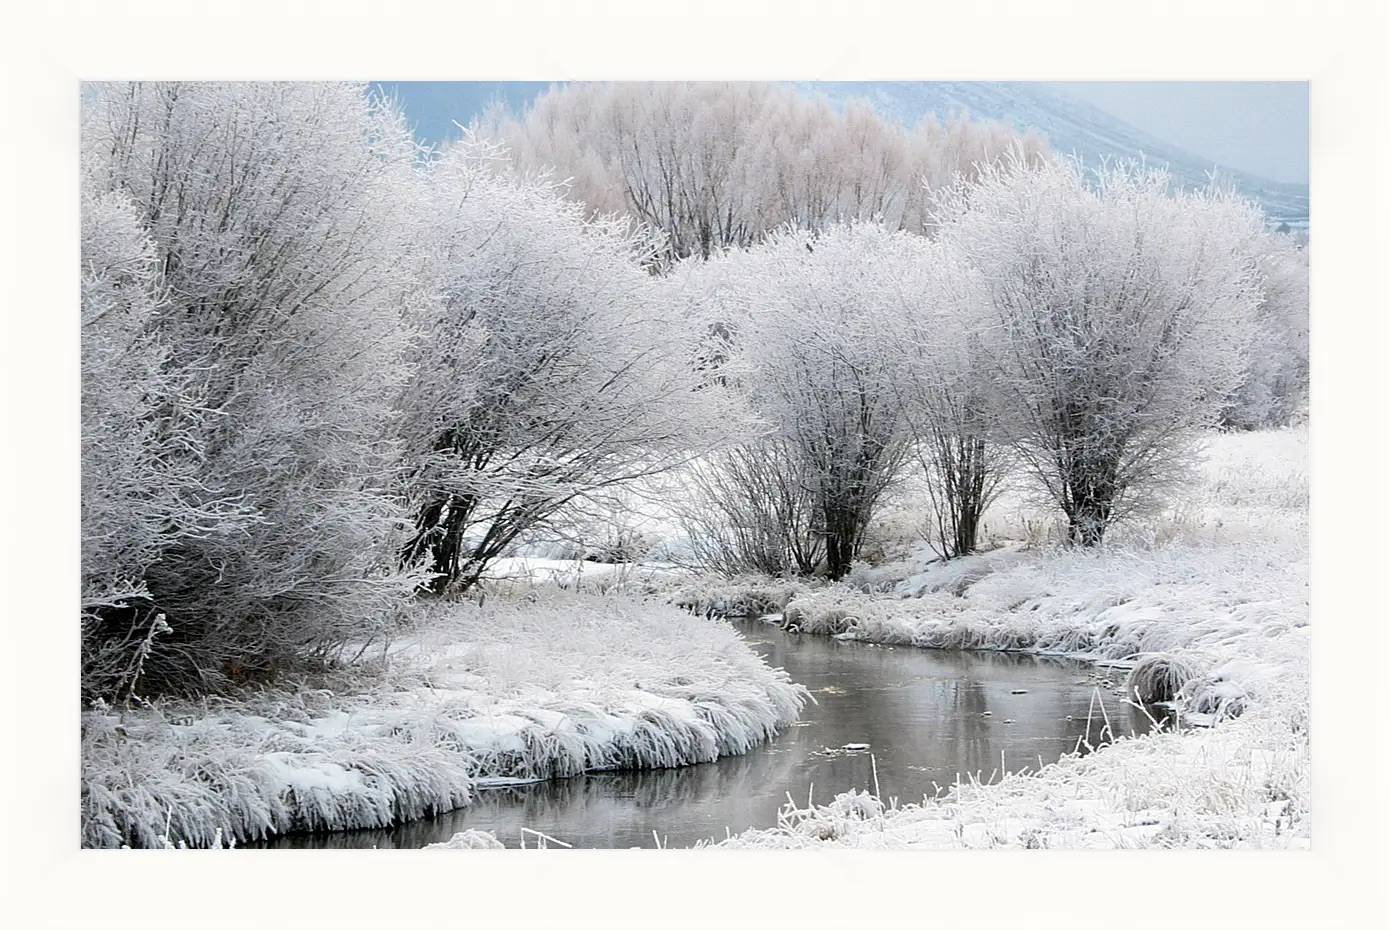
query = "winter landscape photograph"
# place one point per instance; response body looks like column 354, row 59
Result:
column 788, row 495
column 668, row 464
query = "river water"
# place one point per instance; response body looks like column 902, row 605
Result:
column 927, row 717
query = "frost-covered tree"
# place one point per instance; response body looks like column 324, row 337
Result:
column 718, row 164
column 808, row 353
column 945, row 388
column 755, row 510
column 1121, row 314
column 1276, row 387
column 127, row 495
column 549, row 370
column 285, row 266
column 142, row 450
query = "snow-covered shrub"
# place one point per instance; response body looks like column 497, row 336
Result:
column 945, row 387
column 284, row 277
column 842, row 610
column 141, row 449
column 807, row 315
column 829, row 612
column 1276, row 388
column 547, row 370
column 897, row 532
column 862, row 577
column 832, row 822
column 754, row 510
column 1120, row 318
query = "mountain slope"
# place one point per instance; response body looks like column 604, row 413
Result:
column 1072, row 126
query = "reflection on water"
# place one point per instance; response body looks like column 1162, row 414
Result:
column 928, row 717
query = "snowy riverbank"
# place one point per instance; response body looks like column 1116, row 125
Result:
column 1210, row 600
column 548, row 687
column 1243, row 784
column 1217, row 600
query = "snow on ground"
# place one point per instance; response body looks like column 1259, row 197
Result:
column 1213, row 594
column 1237, row 617
column 519, row 574
column 545, row 686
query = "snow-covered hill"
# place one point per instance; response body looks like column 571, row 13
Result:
column 1072, row 126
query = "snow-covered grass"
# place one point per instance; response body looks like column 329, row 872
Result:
column 1237, row 617
column 750, row 597
column 547, row 686
column 1207, row 604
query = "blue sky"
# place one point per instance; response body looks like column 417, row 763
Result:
column 1257, row 126
column 1261, row 127
column 433, row 106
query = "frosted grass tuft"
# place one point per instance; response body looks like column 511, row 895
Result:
column 553, row 687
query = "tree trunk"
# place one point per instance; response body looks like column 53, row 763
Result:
column 842, row 533
column 967, row 525
column 425, row 525
column 447, row 547
column 838, row 557
column 1086, row 522
column 440, row 532
column 1092, row 491
column 970, row 492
